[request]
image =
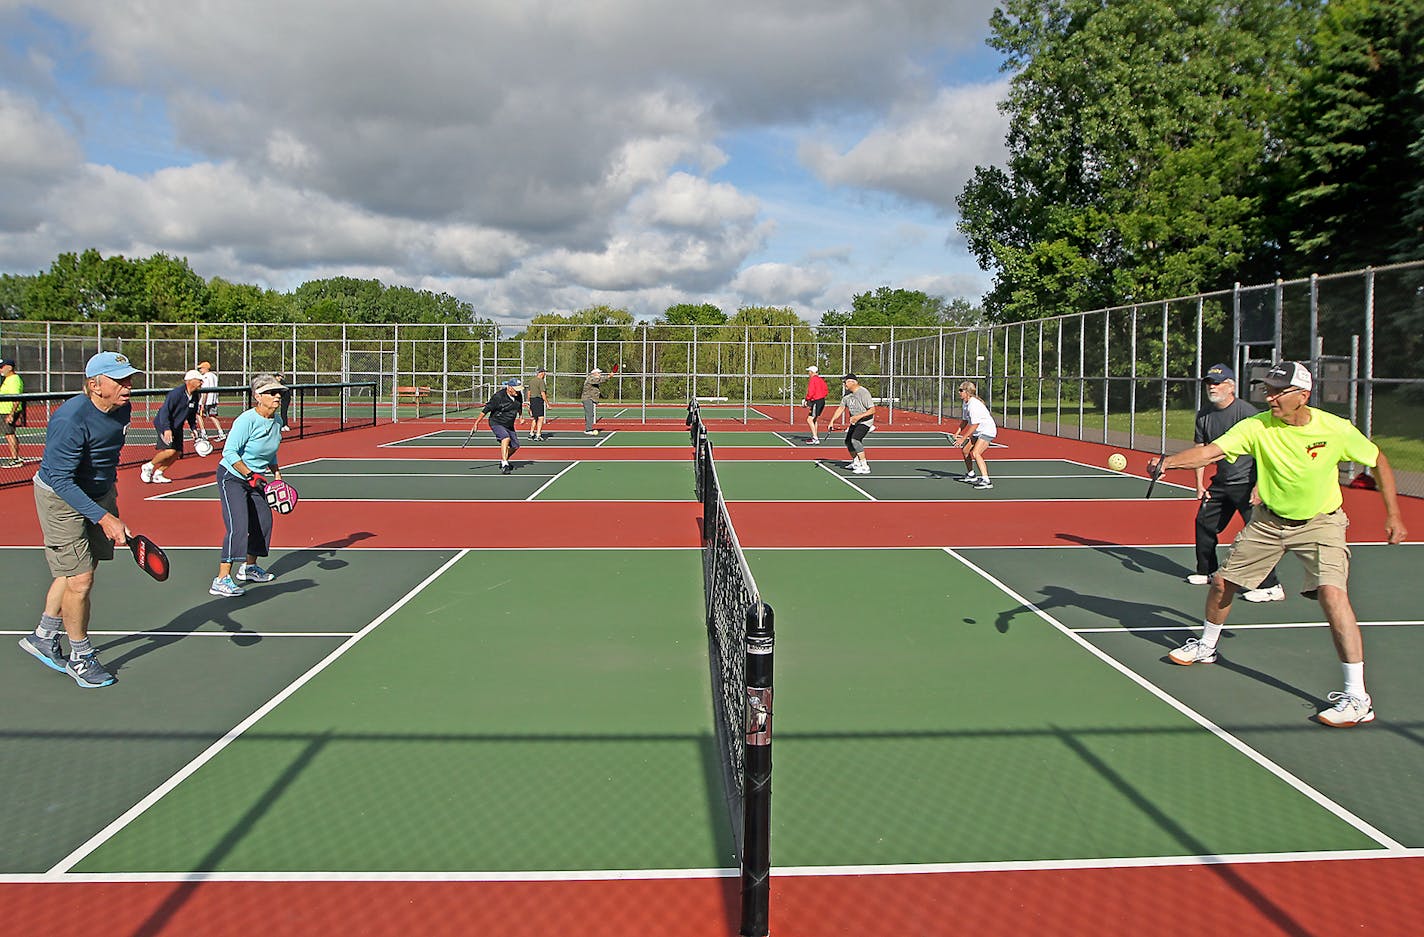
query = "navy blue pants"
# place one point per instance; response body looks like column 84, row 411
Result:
column 247, row 518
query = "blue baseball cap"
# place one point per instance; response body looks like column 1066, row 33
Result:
column 514, row 382
column 1218, row 373
column 109, row 364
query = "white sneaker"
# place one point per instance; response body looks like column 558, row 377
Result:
column 983, row 483
column 1193, row 652
column 861, row 468
column 145, row 474
column 158, row 478
column 1347, row 711
column 1199, row 579
column 1276, row 593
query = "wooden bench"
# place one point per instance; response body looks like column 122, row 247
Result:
column 412, row 393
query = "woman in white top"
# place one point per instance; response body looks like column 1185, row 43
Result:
column 976, row 431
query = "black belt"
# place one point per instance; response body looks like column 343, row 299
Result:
column 1296, row 522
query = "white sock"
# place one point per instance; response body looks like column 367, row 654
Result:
column 1211, row 634
column 1355, row 679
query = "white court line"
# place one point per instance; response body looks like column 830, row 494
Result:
column 1259, row 627
column 604, row 437
column 128, row 816
column 550, row 481
column 214, row 634
column 835, row 474
column 1260, row 759
column 442, row 433
column 615, row 875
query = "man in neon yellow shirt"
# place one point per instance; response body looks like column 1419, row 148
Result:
column 11, row 411
column 1297, row 450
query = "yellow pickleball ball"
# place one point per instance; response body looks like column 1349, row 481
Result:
column 1117, row 461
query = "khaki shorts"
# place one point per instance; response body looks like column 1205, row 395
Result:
column 73, row 544
column 1318, row 541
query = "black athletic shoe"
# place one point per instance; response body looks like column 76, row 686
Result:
column 505, row 469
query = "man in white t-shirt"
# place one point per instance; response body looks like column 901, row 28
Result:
column 976, row 431
column 208, row 401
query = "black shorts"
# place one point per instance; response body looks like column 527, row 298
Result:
column 209, row 409
column 160, row 446
column 536, row 407
column 815, row 407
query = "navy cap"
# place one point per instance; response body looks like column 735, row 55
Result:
column 514, row 382
column 1218, row 373
column 851, row 377
column 5, row 361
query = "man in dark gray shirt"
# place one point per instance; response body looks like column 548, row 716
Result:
column 1230, row 490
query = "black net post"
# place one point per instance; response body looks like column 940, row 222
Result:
column 756, row 801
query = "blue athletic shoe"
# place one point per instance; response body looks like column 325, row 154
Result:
column 251, row 572
column 46, row 652
column 225, row 586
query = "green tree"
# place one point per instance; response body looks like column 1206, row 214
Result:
column 174, row 293
column 14, row 295
column 1138, row 145
column 1354, row 139
column 89, row 286
column 690, row 314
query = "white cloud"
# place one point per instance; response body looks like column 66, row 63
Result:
column 775, row 284
column 922, row 153
column 530, row 156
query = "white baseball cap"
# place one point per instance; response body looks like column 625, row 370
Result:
column 813, row 369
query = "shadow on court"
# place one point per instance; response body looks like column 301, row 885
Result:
column 1137, row 618
column 1133, row 559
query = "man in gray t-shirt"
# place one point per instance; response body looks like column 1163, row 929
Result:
column 536, row 391
column 859, row 409
column 1230, row 490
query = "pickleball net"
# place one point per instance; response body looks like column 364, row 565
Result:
column 740, row 638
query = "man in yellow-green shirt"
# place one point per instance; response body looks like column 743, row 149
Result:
column 1297, row 450
column 12, row 412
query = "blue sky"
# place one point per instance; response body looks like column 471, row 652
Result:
column 526, row 158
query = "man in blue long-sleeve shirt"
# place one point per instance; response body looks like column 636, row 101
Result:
column 179, row 407
column 78, row 508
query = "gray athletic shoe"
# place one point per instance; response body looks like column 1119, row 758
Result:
column 251, row 572
column 88, row 672
column 46, row 652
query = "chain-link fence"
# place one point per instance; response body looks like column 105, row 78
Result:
column 1128, row 375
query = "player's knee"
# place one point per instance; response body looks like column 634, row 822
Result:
column 80, row 583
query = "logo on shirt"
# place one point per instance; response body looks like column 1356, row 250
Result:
column 1314, row 449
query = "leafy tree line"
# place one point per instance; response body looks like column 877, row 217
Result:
column 1160, row 149
column 90, row 287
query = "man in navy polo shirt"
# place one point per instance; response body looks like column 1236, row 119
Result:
column 503, row 409
column 78, row 508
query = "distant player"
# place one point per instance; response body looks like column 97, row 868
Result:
column 976, row 433
column 503, row 410
column 537, row 393
column 816, row 393
column 859, row 409
column 592, row 392
column 208, row 402
column 179, row 407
